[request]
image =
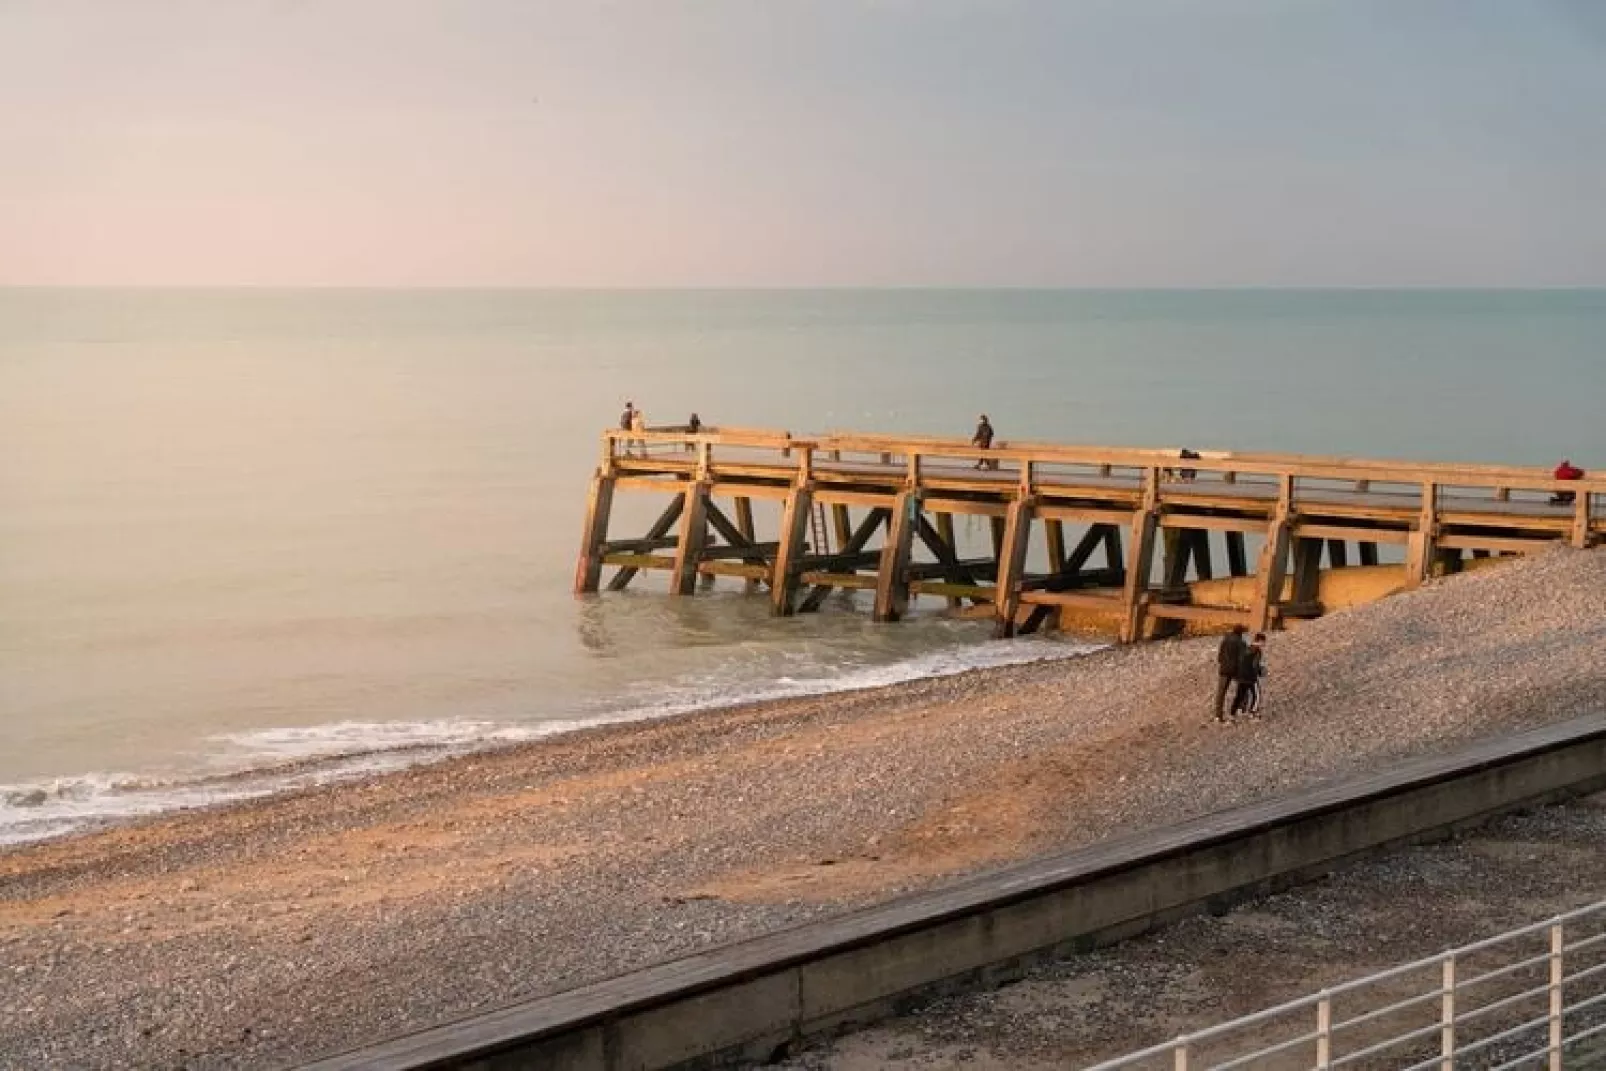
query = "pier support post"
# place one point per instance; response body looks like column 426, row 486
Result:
column 599, row 505
column 1337, row 553
column 1135, row 592
column 1273, row 566
column 744, row 525
column 789, row 553
column 1368, row 552
column 892, row 578
column 1419, row 549
column 1055, row 533
column 1237, row 556
column 1011, row 564
column 1203, row 568
column 693, row 538
column 1307, row 571
column 945, row 535
column 842, row 522
column 1176, row 548
column 1580, row 532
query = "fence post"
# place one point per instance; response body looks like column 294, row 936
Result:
column 1324, row 1031
column 1447, row 1018
column 1180, row 1054
column 1555, row 997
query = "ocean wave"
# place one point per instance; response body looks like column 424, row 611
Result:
column 250, row 765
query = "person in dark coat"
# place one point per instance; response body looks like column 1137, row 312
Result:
column 1251, row 667
column 983, row 440
column 1228, row 656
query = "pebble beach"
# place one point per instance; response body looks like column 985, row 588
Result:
column 269, row 932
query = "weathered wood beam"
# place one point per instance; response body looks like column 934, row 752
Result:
column 1112, row 547
column 1273, row 565
column 892, row 579
column 1203, row 568
column 744, row 526
column 1054, row 533
column 945, row 535
column 1419, row 548
column 693, row 538
column 1011, row 562
column 599, row 506
column 788, row 557
column 1368, row 552
column 1337, row 553
column 1307, row 569
column 1135, row 592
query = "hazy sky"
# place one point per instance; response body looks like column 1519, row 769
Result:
column 798, row 142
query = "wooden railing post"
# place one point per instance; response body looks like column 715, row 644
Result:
column 1324, row 1031
column 1581, row 518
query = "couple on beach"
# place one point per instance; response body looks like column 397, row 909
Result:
column 1242, row 664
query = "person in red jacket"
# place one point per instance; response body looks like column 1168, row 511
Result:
column 1565, row 471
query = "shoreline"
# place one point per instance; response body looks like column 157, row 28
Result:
column 325, row 773
column 270, row 931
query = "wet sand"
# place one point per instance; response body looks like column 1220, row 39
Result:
column 263, row 933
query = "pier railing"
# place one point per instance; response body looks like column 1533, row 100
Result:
column 1142, row 510
column 1531, row 997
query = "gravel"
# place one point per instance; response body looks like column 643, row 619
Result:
column 268, row 932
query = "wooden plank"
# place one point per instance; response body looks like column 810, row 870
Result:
column 660, row 527
column 1581, row 507
column 745, row 570
column 1209, row 615
column 667, row 486
column 855, row 498
column 1084, row 514
column 974, row 592
column 599, row 507
column 1081, row 600
column 966, row 507
column 855, row 581
column 1360, row 535
column 1134, row 595
column 1465, row 541
column 635, row 562
column 892, row 581
column 1203, row 523
column 745, row 527
column 1011, row 562
column 794, row 523
column 770, row 492
column 841, row 523
column 693, row 538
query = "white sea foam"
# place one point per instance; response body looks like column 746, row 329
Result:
column 250, row 765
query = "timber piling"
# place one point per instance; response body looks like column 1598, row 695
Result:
column 877, row 513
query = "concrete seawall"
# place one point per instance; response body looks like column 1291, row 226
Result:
column 747, row 1001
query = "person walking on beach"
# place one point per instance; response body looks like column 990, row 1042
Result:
column 1228, row 655
column 983, row 440
column 1251, row 668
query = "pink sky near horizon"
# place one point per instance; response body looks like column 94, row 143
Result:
column 859, row 142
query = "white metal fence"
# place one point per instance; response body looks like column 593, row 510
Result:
column 1532, row 997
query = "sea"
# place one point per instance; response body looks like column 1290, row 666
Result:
column 252, row 540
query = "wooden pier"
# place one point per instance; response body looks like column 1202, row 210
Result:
column 1128, row 538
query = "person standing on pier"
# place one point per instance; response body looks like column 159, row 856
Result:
column 638, row 424
column 983, row 440
column 1228, row 655
column 627, row 422
column 1251, row 668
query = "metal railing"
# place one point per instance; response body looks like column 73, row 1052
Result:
column 1524, row 998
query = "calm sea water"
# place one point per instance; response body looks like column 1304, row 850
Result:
column 243, row 528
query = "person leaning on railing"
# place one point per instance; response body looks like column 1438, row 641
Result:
column 1566, row 471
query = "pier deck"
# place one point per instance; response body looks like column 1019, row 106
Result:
column 1120, row 532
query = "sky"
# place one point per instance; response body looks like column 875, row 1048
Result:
column 605, row 143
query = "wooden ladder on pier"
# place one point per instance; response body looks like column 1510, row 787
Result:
column 819, row 530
